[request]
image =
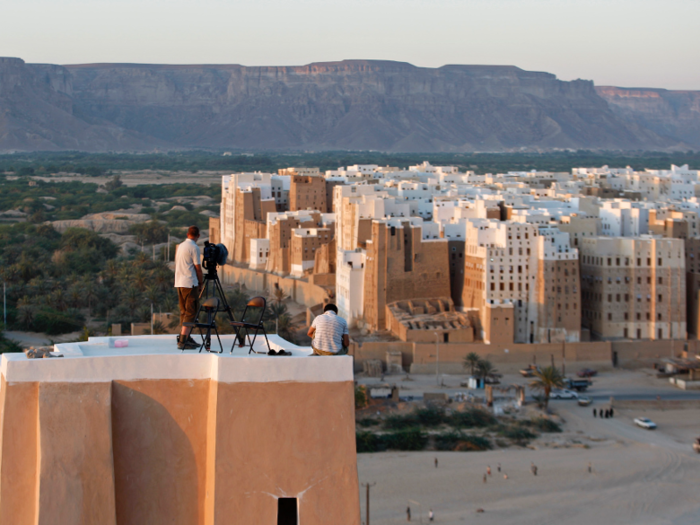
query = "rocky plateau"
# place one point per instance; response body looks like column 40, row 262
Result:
column 348, row 105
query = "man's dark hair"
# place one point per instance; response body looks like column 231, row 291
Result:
column 192, row 231
column 331, row 307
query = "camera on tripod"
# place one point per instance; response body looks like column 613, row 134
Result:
column 214, row 255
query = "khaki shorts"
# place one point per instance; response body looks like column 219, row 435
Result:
column 188, row 304
column 344, row 351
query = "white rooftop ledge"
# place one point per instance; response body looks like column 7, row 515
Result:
column 157, row 357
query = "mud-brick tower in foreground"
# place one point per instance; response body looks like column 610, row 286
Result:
column 148, row 435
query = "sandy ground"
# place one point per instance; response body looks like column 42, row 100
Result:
column 639, row 476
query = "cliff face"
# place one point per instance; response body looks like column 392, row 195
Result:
column 37, row 113
column 673, row 114
column 352, row 105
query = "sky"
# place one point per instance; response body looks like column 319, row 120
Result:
column 628, row 43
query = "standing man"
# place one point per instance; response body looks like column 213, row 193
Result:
column 329, row 333
column 188, row 279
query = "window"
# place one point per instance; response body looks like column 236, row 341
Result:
column 617, row 298
column 627, row 316
column 493, row 287
column 610, row 298
column 661, row 263
column 609, row 261
column 609, row 317
column 658, row 317
column 661, row 280
column 661, row 333
column 661, row 298
column 500, row 286
column 287, row 513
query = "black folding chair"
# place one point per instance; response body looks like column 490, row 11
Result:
column 252, row 320
column 210, row 307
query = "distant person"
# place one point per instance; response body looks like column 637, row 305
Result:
column 488, row 470
column 431, row 515
column 612, row 412
column 408, row 513
column 594, row 413
column 590, row 467
column 188, row 279
column 533, row 469
column 329, row 333
column 436, row 463
column 498, row 467
column 485, row 478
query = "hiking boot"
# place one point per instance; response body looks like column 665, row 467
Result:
column 187, row 345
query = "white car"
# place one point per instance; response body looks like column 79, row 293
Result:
column 563, row 394
column 645, row 422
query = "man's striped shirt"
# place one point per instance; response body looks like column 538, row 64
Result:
column 329, row 332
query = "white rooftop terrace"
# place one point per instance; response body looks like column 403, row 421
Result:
column 155, row 357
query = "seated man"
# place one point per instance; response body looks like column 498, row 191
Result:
column 329, row 333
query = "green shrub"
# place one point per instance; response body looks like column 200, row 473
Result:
column 367, row 442
column 546, row 425
column 360, row 397
column 400, row 421
column 457, row 441
column 367, row 422
column 517, row 433
column 56, row 323
column 410, row 439
column 472, row 418
column 430, row 416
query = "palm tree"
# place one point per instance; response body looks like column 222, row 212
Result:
column 159, row 328
column 484, row 368
column 132, row 298
column 140, row 279
column 545, row 380
column 278, row 295
column 285, row 328
column 470, row 361
column 25, row 312
column 89, row 291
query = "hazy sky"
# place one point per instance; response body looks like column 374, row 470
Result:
column 644, row 43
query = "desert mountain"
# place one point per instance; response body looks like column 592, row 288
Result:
column 349, row 105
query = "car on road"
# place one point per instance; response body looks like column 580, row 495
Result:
column 584, row 401
column 563, row 394
column 645, row 422
column 587, row 372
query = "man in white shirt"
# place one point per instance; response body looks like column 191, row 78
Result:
column 329, row 333
column 188, row 279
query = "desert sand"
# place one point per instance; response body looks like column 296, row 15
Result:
column 638, row 476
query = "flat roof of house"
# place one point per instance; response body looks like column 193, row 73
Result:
column 153, row 357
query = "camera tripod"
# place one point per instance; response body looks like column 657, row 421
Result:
column 212, row 289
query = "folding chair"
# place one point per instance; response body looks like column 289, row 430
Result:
column 210, row 307
column 251, row 321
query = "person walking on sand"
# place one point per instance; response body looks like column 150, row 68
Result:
column 590, row 467
column 488, row 470
column 436, row 463
column 431, row 515
column 611, row 412
column 484, row 478
column 533, row 469
column 594, row 412
column 408, row 513
column 498, row 467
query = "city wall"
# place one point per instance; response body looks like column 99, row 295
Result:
column 301, row 292
column 421, row 357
